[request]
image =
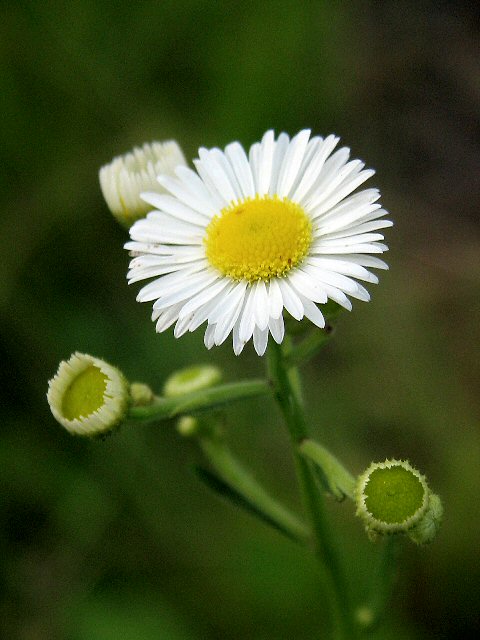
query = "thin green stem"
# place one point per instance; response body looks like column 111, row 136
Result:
column 286, row 389
column 309, row 346
column 370, row 614
column 165, row 408
column 230, row 470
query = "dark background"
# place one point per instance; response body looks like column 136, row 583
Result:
column 116, row 540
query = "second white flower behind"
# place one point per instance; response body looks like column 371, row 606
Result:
column 247, row 237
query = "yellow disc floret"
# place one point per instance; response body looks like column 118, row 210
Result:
column 258, row 239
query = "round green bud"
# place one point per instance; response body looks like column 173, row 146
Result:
column 191, row 379
column 391, row 497
column 365, row 616
column 88, row 396
column 188, row 426
column 141, row 394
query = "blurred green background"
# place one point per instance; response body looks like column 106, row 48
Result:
column 117, row 540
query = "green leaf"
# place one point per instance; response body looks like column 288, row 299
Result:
column 222, row 488
column 331, row 474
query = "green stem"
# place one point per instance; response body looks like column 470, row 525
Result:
column 309, row 346
column 286, row 390
column 230, row 470
column 370, row 614
column 165, row 408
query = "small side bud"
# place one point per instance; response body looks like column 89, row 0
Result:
column 141, row 394
column 127, row 176
column 392, row 497
column 188, row 426
column 365, row 617
column 191, row 379
column 88, row 396
column 426, row 530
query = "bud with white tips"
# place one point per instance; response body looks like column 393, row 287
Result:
column 127, row 176
column 393, row 497
column 88, row 396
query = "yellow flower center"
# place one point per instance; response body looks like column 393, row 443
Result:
column 85, row 394
column 258, row 239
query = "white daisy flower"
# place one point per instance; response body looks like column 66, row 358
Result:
column 246, row 237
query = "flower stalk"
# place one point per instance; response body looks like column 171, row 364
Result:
column 164, row 408
column 285, row 382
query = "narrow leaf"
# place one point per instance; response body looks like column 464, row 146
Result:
column 222, row 488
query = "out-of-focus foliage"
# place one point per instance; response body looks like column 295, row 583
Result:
column 117, row 539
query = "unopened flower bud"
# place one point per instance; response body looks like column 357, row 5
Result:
column 88, row 396
column 141, row 394
column 426, row 530
column 127, row 176
column 391, row 497
column 191, row 379
column 188, row 426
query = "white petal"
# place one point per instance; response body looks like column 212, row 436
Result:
column 260, row 340
column 247, row 318
column 254, row 161
column 374, row 247
column 140, row 248
column 163, row 228
column 306, row 285
column 265, row 165
column 291, row 301
column 348, row 241
column 261, row 306
column 366, row 261
column 197, row 188
column 311, row 172
column 338, row 296
column 277, row 329
column 175, row 208
column 238, row 344
column 330, row 277
column 344, row 267
column 344, row 190
column 313, row 313
column 203, row 297
column 357, row 229
column 224, row 163
column 231, row 299
column 275, row 300
column 225, row 326
column 151, row 271
column 292, row 162
column 361, row 293
column 218, row 178
column 203, row 313
column 179, row 190
column 184, row 290
column 166, row 317
column 329, row 170
column 208, row 337
column 241, row 167
column 182, row 326
column 281, row 147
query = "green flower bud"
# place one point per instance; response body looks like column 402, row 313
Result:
column 126, row 177
column 391, row 497
column 426, row 530
column 188, row 426
column 88, row 396
column 191, row 379
column 141, row 394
